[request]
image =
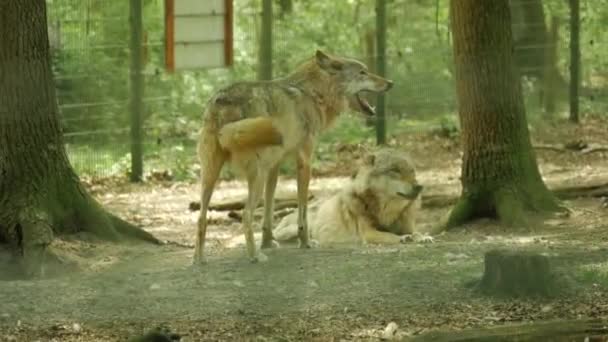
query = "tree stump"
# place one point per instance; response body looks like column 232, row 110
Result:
column 517, row 273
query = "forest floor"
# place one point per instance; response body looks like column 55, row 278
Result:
column 119, row 291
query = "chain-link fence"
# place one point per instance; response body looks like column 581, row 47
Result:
column 91, row 59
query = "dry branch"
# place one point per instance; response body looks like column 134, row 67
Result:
column 259, row 213
column 281, row 201
column 584, row 149
column 575, row 191
column 595, row 149
column 598, row 189
column 430, row 200
column 559, row 330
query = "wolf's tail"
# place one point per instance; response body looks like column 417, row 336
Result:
column 249, row 133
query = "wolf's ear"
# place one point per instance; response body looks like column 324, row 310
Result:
column 327, row 63
column 322, row 58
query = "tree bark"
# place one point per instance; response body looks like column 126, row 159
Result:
column 575, row 59
column 40, row 195
column 500, row 177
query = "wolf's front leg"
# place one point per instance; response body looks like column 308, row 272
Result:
column 370, row 235
column 303, row 175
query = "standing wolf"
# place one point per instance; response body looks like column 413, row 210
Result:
column 256, row 125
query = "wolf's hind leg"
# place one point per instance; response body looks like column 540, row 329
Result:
column 268, row 240
column 210, row 172
column 255, row 184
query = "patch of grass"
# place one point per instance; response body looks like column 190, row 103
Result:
column 592, row 274
column 97, row 160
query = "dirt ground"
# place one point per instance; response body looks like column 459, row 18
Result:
column 119, row 291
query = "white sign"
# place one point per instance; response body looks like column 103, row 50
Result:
column 198, row 34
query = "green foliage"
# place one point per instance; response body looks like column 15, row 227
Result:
column 92, row 69
column 449, row 126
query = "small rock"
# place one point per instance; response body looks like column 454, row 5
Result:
column 390, row 331
column 77, row 328
column 456, row 256
column 546, row 308
column 155, row 286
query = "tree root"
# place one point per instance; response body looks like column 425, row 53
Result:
column 510, row 205
column 129, row 230
column 96, row 220
column 38, row 224
column 461, row 213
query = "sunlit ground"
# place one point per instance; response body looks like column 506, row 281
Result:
column 121, row 290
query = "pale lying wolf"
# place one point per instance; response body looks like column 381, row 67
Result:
column 377, row 206
column 256, row 125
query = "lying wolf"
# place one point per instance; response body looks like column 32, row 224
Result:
column 256, row 125
column 377, row 206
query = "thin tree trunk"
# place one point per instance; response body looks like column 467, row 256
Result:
column 286, row 8
column 266, row 39
column 575, row 59
column 531, row 36
column 551, row 77
column 500, row 177
column 40, row 195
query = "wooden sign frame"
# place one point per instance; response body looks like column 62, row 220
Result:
column 192, row 36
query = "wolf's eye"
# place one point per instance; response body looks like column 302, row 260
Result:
column 362, row 72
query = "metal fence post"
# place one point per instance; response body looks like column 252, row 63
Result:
column 137, row 89
column 265, row 54
column 381, row 69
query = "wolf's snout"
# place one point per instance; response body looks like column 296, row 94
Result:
column 389, row 85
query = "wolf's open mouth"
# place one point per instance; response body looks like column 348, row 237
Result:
column 411, row 196
column 365, row 106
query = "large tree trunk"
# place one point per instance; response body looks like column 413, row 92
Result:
column 500, row 177
column 40, row 195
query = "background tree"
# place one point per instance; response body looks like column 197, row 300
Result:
column 575, row 59
column 40, row 195
column 500, row 177
column 536, row 49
